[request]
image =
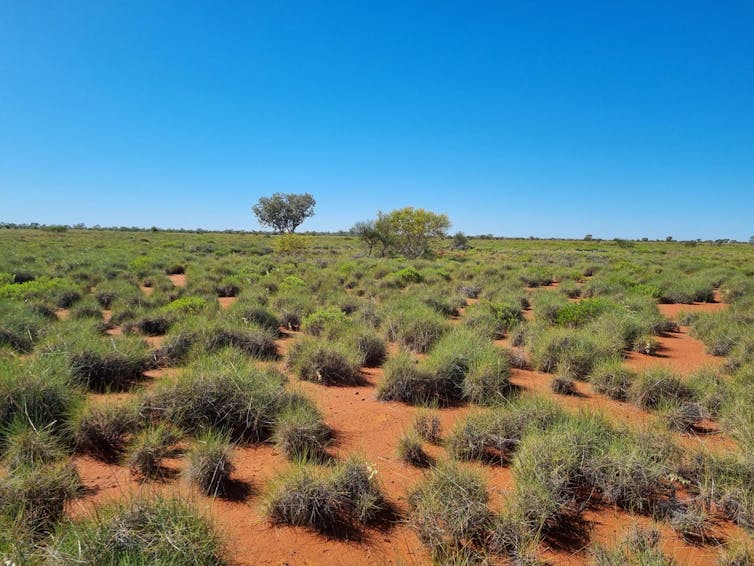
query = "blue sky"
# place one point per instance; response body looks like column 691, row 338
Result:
column 619, row 119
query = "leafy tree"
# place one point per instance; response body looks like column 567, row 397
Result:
column 374, row 233
column 284, row 212
column 409, row 230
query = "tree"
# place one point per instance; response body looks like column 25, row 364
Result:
column 373, row 233
column 284, row 212
column 411, row 229
column 460, row 241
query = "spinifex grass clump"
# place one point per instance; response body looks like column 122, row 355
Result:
column 449, row 511
column 492, row 435
column 575, row 348
column 102, row 430
column 405, row 380
column 140, row 531
column 411, row 451
column 149, row 448
column 611, row 378
column 324, row 361
column 658, row 386
column 36, row 391
column 36, row 496
column 301, row 434
column 226, row 393
column 428, row 426
column 20, row 325
column 210, row 464
column 414, row 325
column 255, row 315
column 493, row 319
column 25, row 446
column 461, row 366
column 333, row 502
column 101, row 363
column 253, row 341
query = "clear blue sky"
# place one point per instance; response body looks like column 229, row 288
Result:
column 620, row 119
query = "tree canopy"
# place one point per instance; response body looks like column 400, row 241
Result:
column 284, row 212
column 407, row 231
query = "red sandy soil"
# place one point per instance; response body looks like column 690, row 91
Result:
column 62, row 314
column 226, row 302
column 147, row 290
column 372, row 428
column 179, row 279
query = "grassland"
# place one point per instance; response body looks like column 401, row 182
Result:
column 172, row 397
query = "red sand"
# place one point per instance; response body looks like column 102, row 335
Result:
column 179, row 279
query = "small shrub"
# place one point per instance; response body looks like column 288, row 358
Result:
column 329, row 320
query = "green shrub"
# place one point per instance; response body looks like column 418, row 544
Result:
column 329, row 321
column 186, row 306
column 580, row 313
